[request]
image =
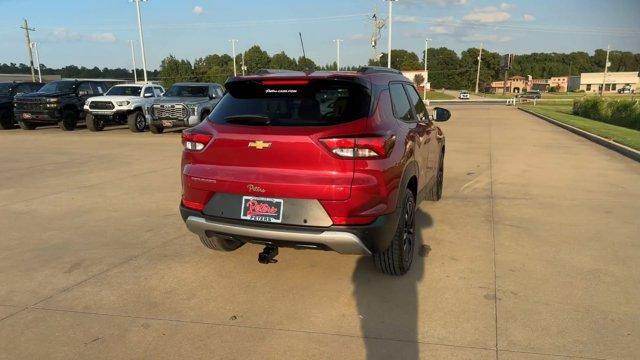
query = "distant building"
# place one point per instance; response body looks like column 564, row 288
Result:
column 27, row 77
column 515, row 84
column 411, row 74
column 592, row 82
column 518, row 84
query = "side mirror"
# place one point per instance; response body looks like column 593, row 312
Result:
column 212, row 96
column 440, row 114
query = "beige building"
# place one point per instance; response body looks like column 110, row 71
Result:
column 515, row 84
column 592, row 82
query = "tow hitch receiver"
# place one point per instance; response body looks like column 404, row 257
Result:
column 267, row 256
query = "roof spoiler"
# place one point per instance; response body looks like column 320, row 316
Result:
column 378, row 70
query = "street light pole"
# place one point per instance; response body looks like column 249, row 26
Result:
column 133, row 59
column 35, row 47
column 338, row 41
column 606, row 69
column 144, row 58
column 233, row 51
column 478, row 73
column 426, row 72
column 390, row 21
column 28, row 38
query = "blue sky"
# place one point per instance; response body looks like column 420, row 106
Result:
column 96, row 32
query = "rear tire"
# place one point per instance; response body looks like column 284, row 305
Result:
column 219, row 244
column 397, row 259
column 94, row 123
column 435, row 193
column 6, row 120
column 156, row 129
column 136, row 121
column 69, row 120
column 26, row 125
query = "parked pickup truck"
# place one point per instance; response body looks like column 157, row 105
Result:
column 627, row 89
column 59, row 102
column 8, row 90
column 184, row 104
column 122, row 104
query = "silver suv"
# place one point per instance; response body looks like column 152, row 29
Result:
column 184, row 104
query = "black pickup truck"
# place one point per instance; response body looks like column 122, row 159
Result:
column 58, row 102
column 8, row 90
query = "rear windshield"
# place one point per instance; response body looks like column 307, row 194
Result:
column 5, row 88
column 187, row 91
column 317, row 103
column 124, row 91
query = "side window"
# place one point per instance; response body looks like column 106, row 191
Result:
column 23, row 88
column 98, row 88
column 149, row 91
column 401, row 105
column 158, row 91
column 418, row 104
column 85, row 88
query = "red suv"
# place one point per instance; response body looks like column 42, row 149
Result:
column 314, row 160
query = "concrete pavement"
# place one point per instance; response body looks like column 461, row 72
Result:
column 532, row 254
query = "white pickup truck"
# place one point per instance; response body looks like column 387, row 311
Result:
column 122, row 104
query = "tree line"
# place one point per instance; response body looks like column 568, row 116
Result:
column 447, row 69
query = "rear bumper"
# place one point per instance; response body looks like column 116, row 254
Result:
column 355, row 240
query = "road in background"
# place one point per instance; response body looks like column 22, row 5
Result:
column 533, row 251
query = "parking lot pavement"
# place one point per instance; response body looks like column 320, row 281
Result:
column 532, row 254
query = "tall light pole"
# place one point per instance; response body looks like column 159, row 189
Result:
column 34, row 45
column 338, row 41
column 133, row 59
column 144, row 58
column 478, row 73
column 390, row 21
column 233, row 51
column 28, row 38
column 606, row 69
column 426, row 72
column 244, row 68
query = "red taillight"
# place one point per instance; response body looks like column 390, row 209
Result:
column 359, row 220
column 195, row 141
column 284, row 82
column 360, row 147
column 194, row 205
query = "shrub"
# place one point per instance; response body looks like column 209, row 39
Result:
column 625, row 113
column 553, row 89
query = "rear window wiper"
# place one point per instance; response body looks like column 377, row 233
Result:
column 248, row 119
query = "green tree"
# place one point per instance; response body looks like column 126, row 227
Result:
column 305, row 64
column 418, row 79
column 173, row 70
column 400, row 60
column 255, row 59
column 282, row 61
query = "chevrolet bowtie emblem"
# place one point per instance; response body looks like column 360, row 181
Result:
column 259, row 144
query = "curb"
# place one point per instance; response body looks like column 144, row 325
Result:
column 470, row 102
column 619, row 148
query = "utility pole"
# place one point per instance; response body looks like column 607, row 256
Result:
column 478, row 73
column 144, row 58
column 133, row 59
column 378, row 24
column 244, row 68
column 35, row 47
column 28, row 38
column 338, row 41
column 390, row 21
column 233, row 51
column 426, row 71
column 606, row 69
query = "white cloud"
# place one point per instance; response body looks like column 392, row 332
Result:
column 198, row 10
column 528, row 17
column 506, row 6
column 434, row 2
column 486, row 38
column 487, row 15
column 358, row 37
column 103, row 37
column 66, row 35
column 441, row 29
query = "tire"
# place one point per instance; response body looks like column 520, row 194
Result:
column 156, row 129
column 136, row 121
column 6, row 120
column 435, row 193
column 219, row 244
column 397, row 259
column 94, row 123
column 69, row 120
column 26, row 125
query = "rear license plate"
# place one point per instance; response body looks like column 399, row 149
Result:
column 167, row 123
column 261, row 209
column 26, row 116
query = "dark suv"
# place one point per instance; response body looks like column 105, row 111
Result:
column 58, row 102
column 8, row 90
column 318, row 160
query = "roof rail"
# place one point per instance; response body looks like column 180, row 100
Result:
column 275, row 71
column 377, row 70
